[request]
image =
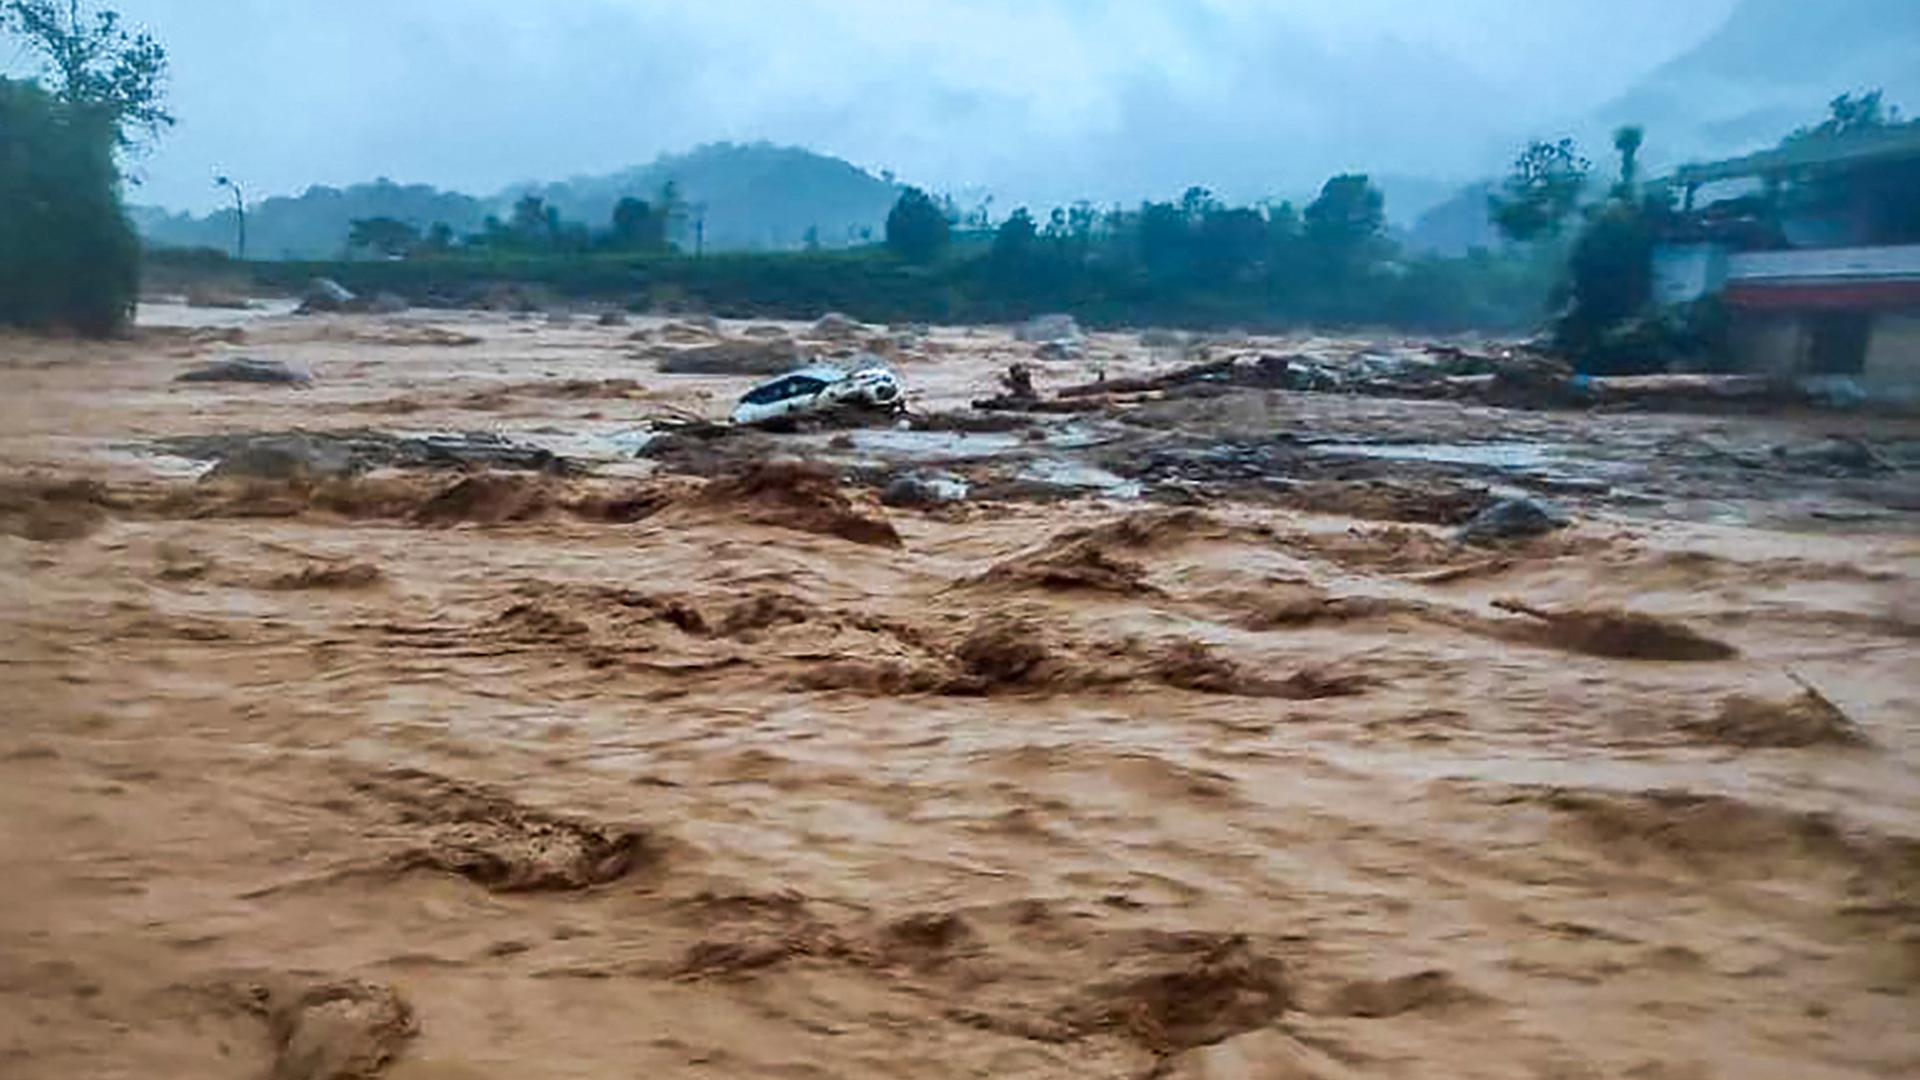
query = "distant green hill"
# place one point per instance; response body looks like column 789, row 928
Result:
column 313, row 225
column 752, row 197
column 756, row 197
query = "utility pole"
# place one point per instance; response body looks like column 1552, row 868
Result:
column 240, row 212
column 700, row 230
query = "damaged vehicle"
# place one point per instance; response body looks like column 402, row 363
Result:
column 821, row 388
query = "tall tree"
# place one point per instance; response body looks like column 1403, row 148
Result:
column 637, row 226
column 1627, row 142
column 384, row 236
column 917, row 229
column 439, row 239
column 1541, row 192
column 1013, row 241
column 1348, row 218
column 1848, row 114
column 93, row 59
column 533, row 223
column 1165, row 239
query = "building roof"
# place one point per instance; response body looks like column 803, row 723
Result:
column 1857, row 148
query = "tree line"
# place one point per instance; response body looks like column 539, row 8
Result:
column 1196, row 259
column 1200, row 259
column 533, row 227
column 69, row 258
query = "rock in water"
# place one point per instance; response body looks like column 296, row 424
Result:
column 293, row 456
column 1048, row 329
column 216, row 296
column 1513, row 519
column 325, row 295
column 924, row 489
column 246, row 369
column 834, row 326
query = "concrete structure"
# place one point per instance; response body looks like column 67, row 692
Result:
column 1819, row 267
column 1844, row 311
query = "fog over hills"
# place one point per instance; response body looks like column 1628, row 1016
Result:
column 758, row 197
column 1037, row 104
column 1771, row 68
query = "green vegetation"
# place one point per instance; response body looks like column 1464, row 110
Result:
column 1542, row 192
column 1609, row 323
column 68, row 256
column 1196, row 261
column 318, row 223
column 917, row 229
column 744, row 197
column 92, row 59
column 1888, row 191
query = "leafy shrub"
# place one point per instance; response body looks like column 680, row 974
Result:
column 68, row 256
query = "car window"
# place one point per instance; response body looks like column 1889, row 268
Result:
column 782, row 389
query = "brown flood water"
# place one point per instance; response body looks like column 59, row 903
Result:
column 615, row 776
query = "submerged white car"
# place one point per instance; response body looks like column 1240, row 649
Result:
column 818, row 389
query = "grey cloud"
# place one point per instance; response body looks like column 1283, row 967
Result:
column 1040, row 100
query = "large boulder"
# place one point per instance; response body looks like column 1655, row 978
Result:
column 1047, row 329
column 1513, row 519
column 325, row 295
column 245, row 369
column 923, row 489
column 685, row 332
column 834, row 326
column 290, row 456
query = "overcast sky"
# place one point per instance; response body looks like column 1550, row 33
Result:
column 1038, row 100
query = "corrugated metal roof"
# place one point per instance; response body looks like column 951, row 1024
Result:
column 1901, row 141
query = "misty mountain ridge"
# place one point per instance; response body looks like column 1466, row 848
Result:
column 1772, row 67
column 1769, row 70
column 314, row 224
column 756, row 197
column 751, row 197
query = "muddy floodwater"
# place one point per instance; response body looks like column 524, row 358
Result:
column 468, row 708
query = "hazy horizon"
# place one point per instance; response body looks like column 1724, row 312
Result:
column 1038, row 102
